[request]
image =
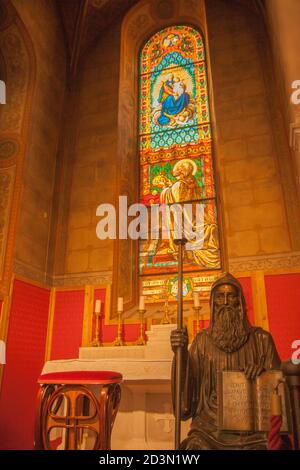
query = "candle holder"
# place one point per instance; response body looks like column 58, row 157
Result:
column 119, row 339
column 167, row 318
column 141, row 340
column 96, row 342
column 197, row 311
column 168, row 313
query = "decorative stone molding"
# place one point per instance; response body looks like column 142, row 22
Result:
column 99, row 3
column 29, row 272
column 295, row 136
column 8, row 149
column 83, row 279
column 137, row 25
column 6, row 190
column 265, row 263
column 163, row 9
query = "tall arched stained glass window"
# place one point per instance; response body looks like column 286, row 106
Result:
column 175, row 144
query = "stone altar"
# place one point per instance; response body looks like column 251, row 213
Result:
column 145, row 419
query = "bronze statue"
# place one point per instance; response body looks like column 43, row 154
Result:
column 230, row 343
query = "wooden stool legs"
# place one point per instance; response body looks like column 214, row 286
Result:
column 77, row 415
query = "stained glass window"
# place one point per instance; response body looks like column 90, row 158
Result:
column 175, row 143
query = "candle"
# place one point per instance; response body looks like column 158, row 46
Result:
column 196, row 299
column 142, row 303
column 276, row 408
column 2, row 352
column 98, row 306
column 120, row 304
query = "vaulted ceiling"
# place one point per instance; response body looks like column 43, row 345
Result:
column 85, row 20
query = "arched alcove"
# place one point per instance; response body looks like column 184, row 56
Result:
column 142, row 21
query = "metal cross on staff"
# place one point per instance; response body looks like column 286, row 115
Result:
column 168, row 312
column 178, row 358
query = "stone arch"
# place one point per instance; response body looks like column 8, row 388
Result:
column 19, row 69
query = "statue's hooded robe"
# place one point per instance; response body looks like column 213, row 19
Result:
column 199, row 397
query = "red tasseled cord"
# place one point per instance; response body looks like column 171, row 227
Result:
column 275, row 441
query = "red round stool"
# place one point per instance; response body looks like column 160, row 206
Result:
column 70, row 414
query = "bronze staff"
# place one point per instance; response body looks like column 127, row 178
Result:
column 180, row 243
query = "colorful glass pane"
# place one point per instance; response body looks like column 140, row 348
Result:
column 175, row 137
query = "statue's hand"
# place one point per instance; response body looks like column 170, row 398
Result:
column 179, row 338
column 253, row 370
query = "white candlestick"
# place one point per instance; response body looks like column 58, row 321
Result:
column 2, row 352
column 120, row 304
column 98, row 306
column 196, row 299
column 142, row 303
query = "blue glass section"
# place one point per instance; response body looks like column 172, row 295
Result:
column 170, row 60
column 168, row 138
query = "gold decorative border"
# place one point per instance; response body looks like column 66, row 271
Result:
column 287, row 261
column 6, row 193
column 100, row 278
column 4, row 321
column 51, row 313
column 87, row 329
column 260, row 300
column 87, row 316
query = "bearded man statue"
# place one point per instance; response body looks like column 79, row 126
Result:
column 230, row 343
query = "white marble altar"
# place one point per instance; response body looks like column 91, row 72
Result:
column 145, row 419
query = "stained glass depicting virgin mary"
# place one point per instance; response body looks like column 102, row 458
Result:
column 174, row 104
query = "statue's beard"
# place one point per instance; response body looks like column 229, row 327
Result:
column 228, row 331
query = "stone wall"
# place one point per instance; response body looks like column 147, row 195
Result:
column 283, row 24
column 258, row 207
column 249, row 153
column 94, row 162
column 43, row 25
column 256, row 188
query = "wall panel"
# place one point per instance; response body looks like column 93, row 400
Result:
column 283, row 300
column 25, row 352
